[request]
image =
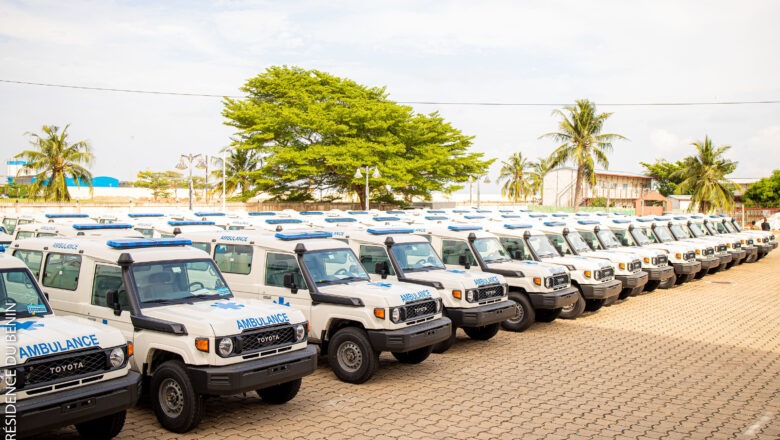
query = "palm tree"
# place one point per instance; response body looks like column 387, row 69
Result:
column 240, row 164
column 705, row 177
column 54, row 159
column 582, row 142
column 539, row 170
column 513, row 172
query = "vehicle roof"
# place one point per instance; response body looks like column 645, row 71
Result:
column 267, row 239
column 8, row 261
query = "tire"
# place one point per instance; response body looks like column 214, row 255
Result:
column 624, row 293
column 104, row 428
column 351, row 355
column 176, row 404
column 547, row 315
column 441, row 347
column 668, row 283
column 575, row 309
column 279, row 394
column 652, row 285
column 525, row 314
column 636, row 290
column 700, row 274
column 482, row 333
column 414, row 356
column 591, row 305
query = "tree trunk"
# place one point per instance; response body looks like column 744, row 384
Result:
column 578, row 190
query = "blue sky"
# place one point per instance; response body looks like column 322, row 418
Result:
column 445, row 51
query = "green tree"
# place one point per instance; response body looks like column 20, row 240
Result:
column 704, row 177
column 539, row 169
column 314, row 130
column 514, row 175
column 662, row 171
column 766, row 191
column 158, row 182
column 582, row 142
column 53, row 159
column 240, row 164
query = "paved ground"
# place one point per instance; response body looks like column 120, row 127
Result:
column 697, row 361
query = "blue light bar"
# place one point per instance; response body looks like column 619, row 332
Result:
column 524, row 210
column 302, row 235
column 96, row 226
column 696, row 216
column 723, row 215
column 582, row 214
column 483, row 210
column 209, row 214
column 67, row 216
column 588, row 222
column 602, row 214
column 681, row 218
column 145, row 214
column 131, row 243
column 385, row 231
column 436, row 217
column 621, row 220
column 189, row 223
column 357, row 212
column 340, row 220
column 537, row 215
column 387, row 219
column 505, row 210
column 511, row 216
column 554, row 224
column 464, row 228
column 560, row 214
column 661, row 219
column 3, row 247
column 645, row 220
column 282, row 221
column 261, row 213
column 311, row 213
column 473, row 217
column 461, row 211
column 517, row 226
column 436, row 211
column 395, row 212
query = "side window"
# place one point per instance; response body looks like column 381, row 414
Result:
column 451, row 251
column 62, row 271
column 621, row 235
column 10, row 224
column 371, row 255
column 108, row 278
column 24, row 234
column 557, row 241
column 516, row 248
column 147, row 233
column 205, row 247
column 32, row 259
column 233, row 258
column 276, row 265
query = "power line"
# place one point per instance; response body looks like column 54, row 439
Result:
column 457, row 103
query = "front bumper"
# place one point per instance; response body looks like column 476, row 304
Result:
column 638, row 279
column 554, row 300
column 708, row 263
column 725, row 259
column 738, row 255
column 773, row 244
column 601, row 291
column 254, row 374
column 411, row 338
column 39, row 414
column 481, row 315
column 659, row 273
column 687, row 267
column 763, row 249
column 751, row 254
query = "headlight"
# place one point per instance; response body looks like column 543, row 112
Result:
column 395, row 314
column 471, row 294
column 438, row 305
column 300, row 332
column 117, row 357
column 225, row 347
column 548, row 282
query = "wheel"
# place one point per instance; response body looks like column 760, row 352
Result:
column 282, row 393
column 441, row 347
column 700, row 274
column 104, row 428
column 351, row 355
column 547, row 315
column 611, row 300
column 624, row 293
column 592, row 305
column 414, row 356
column 574, row 310
column 176, row 404
column 634, row 291
column 668, row 283
column 652, row 285
column 525, row 315
column 482, row 333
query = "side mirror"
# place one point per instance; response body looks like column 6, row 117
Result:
column 289, row 281
column 381, row 269
column 464, row 261
column 112, row 300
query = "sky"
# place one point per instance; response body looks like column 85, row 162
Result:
column 526, row 52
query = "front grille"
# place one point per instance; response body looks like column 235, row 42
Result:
column 560, row 281
column 419, row 309
column 635, row 266
column 59, row 368
column 721, row 248
column 604, row 274
column 689, row 255
column 708, row 252
column 662, row 260
column 265, row 338
column 488, row 292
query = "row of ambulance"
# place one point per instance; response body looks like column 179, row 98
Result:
column 181, row 307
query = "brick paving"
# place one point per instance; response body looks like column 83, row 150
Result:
column 697, row 361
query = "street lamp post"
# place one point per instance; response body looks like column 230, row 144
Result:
column 471, row 184
column 185, row 162
column 375, row 175
column 482, row 178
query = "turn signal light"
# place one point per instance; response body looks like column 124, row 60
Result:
column 379, row 313
column 538, row 281
column 130, row 349
column 202, row 344
column 457, row 294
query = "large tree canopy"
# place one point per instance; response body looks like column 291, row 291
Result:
column 665, row 174
column 314, row 130
column 704, row 177
column 765, row 191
